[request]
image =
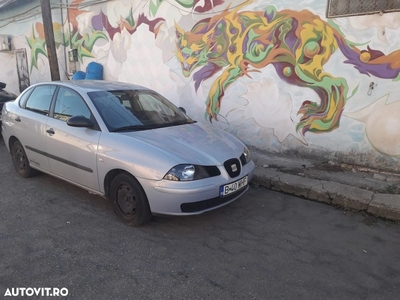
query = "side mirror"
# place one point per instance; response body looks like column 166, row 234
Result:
column 182, row 109
column 79, row 121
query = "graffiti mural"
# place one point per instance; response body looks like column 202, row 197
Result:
column 270, row 75
column 101, row 27
column 297, row 43
column 37, row 45
column 198, row 6
column 82, row 42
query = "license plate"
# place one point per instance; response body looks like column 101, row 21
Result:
column 230, row 188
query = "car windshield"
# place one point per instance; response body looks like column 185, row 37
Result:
column 130, row 110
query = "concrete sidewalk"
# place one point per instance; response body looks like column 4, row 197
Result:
column 342, row 185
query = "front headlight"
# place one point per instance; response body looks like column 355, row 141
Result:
column 181, row 173
column 246, row 156
column 191, row 172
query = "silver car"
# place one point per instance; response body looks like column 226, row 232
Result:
column 128, row 144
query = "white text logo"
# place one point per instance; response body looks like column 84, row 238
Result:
column 42, row 291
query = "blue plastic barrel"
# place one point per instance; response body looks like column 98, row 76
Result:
column 94, row 71
column 79, row 75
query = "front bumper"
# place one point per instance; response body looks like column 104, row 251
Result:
column 204, row 205
column 193, row 197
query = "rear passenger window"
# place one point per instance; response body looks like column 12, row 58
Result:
column 68, row 104
column 40, row 99
column 24, row 97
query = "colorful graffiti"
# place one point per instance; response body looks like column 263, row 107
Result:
column 37, row 44
column 297, row 43
column 83, row 43
column 100, row 24
column 128, row 23
column 199, row 6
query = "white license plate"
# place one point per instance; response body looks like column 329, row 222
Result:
column 227, row 189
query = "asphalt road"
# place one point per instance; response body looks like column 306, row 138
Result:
column 266, row 245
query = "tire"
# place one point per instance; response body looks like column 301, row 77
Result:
column 21, row 161
column 129, row 200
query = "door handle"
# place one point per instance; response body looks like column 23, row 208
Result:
column 17, row 119
column 50, row 131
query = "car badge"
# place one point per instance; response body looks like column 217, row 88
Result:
column 234, row 167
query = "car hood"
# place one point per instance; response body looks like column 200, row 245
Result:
column 192, row 143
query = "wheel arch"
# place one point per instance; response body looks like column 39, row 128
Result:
column 11, row 141
column 111, row 175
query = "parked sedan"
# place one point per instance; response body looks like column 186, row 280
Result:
column 128, row 144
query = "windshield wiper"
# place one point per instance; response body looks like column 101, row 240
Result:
column 147, row 127
column 133, row 128
column 180, row 123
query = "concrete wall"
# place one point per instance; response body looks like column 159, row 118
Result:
column 276, row 74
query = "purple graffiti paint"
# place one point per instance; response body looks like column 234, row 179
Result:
column 378, row 70
column 290, row 38
column 204, row 73
column 270, row 16
column 208, row 5
column 97, row 21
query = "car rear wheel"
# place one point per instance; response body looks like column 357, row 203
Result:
column 129, row 200
column 21, row 161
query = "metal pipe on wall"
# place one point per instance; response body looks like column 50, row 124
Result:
column 63, row 34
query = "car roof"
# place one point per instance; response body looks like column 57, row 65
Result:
column 97, row 85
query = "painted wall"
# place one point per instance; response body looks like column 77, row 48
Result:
column 25, row 27
column 276, row 74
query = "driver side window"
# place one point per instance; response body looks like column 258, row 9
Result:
column 68, row 104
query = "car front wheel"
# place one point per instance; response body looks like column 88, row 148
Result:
column 21, row 161
column 129, row 200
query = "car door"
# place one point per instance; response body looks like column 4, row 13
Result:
column 30, row 124
column 72, row 150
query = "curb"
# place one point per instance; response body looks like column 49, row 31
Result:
column 381, row 205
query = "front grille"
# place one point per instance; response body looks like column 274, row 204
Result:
column 212, row 171
column 233, row 167
column 206, row 172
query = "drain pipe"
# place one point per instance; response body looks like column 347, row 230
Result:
column 63, row 34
